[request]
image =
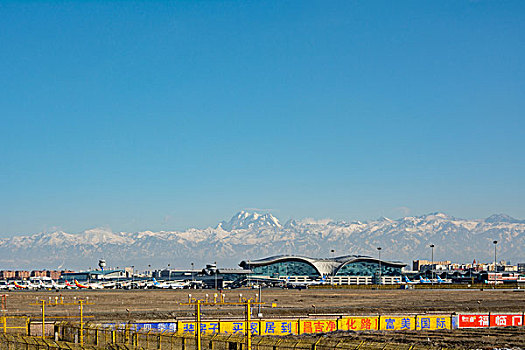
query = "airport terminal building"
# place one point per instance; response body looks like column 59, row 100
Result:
column 282, row 269
column 343, row 270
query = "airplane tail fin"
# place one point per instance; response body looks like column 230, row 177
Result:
column 79, row 285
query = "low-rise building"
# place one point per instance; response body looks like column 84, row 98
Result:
column 22, row 274
column 7, row 274
column 420, row 265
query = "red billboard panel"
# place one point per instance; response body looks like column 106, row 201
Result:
column 506, row 320
column 473, row 321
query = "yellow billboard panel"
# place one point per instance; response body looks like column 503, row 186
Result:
column 397, row 323
column 317, row 326
column 208, row 327
column 433, row 322
column 237, row 327
column 278, row 327
column 358, row 323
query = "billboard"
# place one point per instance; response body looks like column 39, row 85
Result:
column 237, row 327
column 208, row 327
column 506, row 320
column 358, row 323
column 279, row 327
column 397, row 323
column 473, row 320
column 433, row 322
column 317, row 326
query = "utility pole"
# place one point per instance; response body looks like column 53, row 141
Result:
column 432, row 264
column 198, row 325
column 43, row 318
column 216, row 272
column 260, row 301
column 495, row 268
column 495, row 245
column 379, row 260
column 81, row 322
column 247, row 327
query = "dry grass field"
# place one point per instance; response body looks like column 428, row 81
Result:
column 143, row 305
column 109, row 305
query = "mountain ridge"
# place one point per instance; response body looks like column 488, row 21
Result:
column 252, row 235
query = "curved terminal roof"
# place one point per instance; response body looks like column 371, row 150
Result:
column 323, row 266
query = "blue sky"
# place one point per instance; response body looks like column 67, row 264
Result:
column 168, row 115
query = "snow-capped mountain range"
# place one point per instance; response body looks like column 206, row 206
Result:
column 250, row 235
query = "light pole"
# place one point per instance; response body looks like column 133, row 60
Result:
column 379, row 261
column 332, row 273
column 432, row 263
column 192, row 272
column 495, row 245
column 132, row 275
column 216, row 271
column 259, row 314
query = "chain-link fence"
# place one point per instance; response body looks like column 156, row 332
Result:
column 127, row 338
column 17, row 341
column 14, row 324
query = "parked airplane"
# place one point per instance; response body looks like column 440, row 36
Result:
column 24, row 285
column 408, row 281
column 424, row 280
column 439, row 280
column 161, row 285
column 45, row 283
column 179, row 285
column 110, row 285
column 123, row 285
column 89, row 285
column 7, row 285
column 69, row 285
column 60, row 285
column 138, row 285
column 19, row 286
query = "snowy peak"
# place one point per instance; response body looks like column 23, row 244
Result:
column 435, row 216
column 499, row 218
column 384, row 219
column 244, row 220
column 101, row 235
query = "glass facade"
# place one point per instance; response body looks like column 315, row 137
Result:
column 367, row 268
column 285, row 268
